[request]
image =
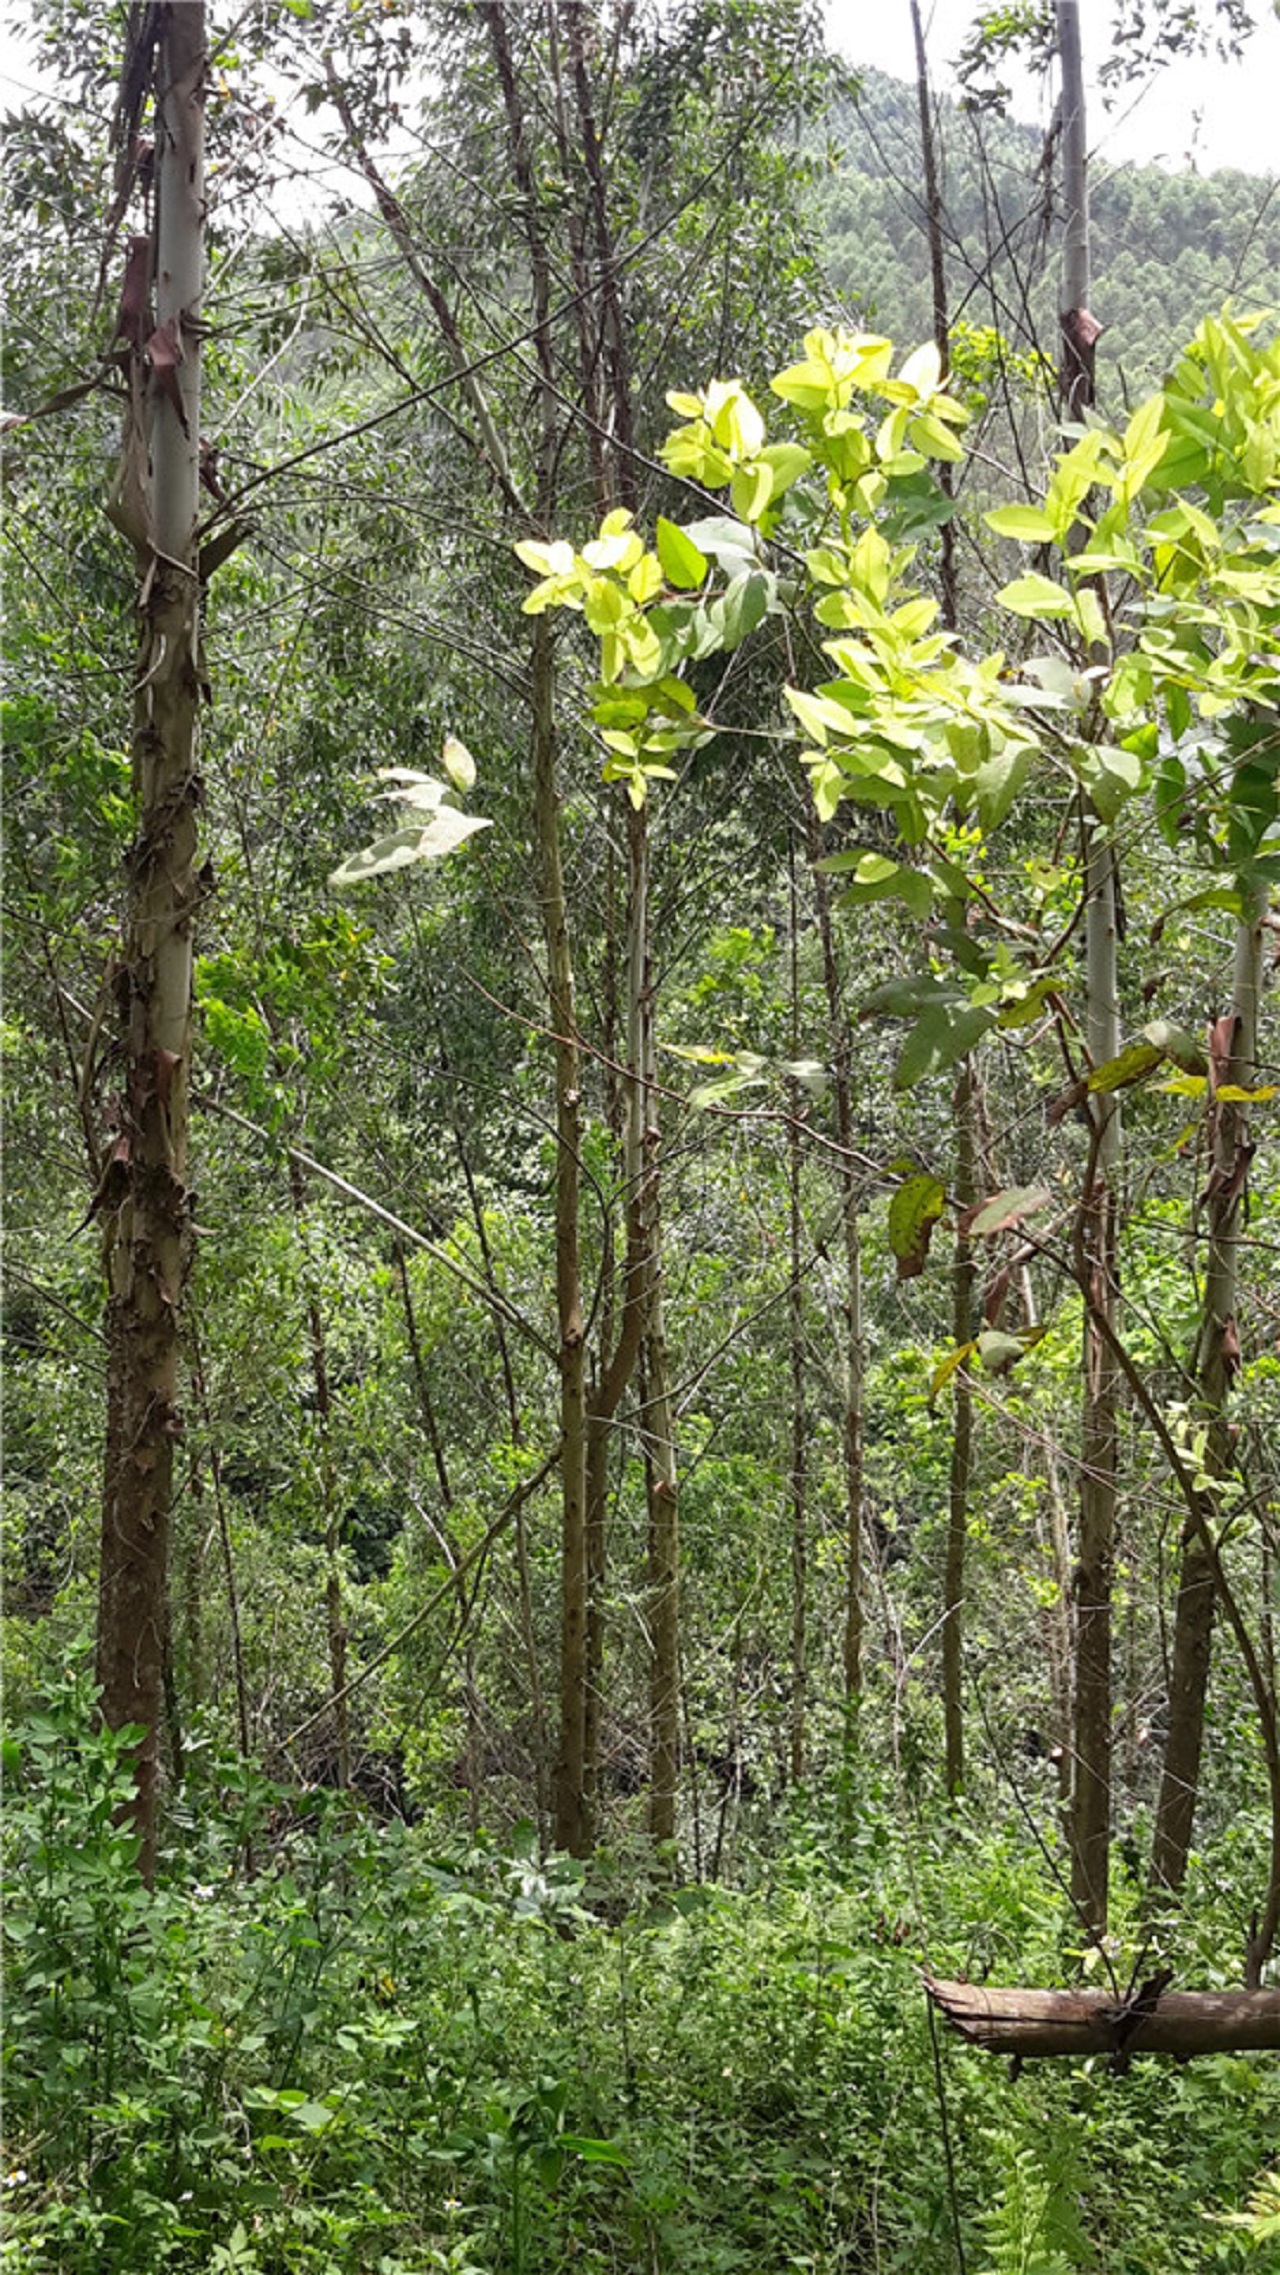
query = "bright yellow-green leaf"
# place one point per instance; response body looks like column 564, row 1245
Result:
column 1037, row 596
column 1030, row 523
column 458, row 764
column 683, row 564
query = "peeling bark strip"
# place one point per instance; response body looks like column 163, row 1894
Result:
column 1025, row 2023
column 143, row 1199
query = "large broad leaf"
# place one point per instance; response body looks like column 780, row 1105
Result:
column 684, row 564
column 745, row 603
column 876, row 878
column 446, row 830
column 1003, row 1210
column 730, row 544
column 938, row 1039
column 1135, row 1060
column 998, row 1351
column 1030, row 523
column 1110, row 774
column 908, row 996
column 998, row 780
column 913, row 1213
column 1034, row 595
column 593, row 2151
column 750, row 1073
column 1178, row 1045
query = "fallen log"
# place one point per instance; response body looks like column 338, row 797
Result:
column 1029, row 2023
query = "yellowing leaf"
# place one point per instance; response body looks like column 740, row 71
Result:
column 458, row 764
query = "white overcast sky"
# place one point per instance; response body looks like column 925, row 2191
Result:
column 1203, row 112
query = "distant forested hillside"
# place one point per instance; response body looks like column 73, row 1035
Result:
column 1167, row 247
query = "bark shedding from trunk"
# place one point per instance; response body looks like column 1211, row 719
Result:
column 143, row 1199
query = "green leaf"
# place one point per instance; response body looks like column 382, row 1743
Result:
column 913, row 1212
column 999, row 779
column 906, row 997
column 594, row 2152
column 745, row 604
column 949, row 1366
column 786, row 462
column 938, row 1039
column 876, row 878
column 1030, row 523
column 1135, row 1060
column 730, row 544
column 1037, row 596
column 1177, row 1044
column 313, row 2115
column 683, row 564
column 998, row 1351
column 751, row 490
column 1112, row 778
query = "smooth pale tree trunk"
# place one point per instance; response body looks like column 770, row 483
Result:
column 144, row 1198
column 851, row 1430
column 938, row 292
column 965, row 1098
column 1217, row 1361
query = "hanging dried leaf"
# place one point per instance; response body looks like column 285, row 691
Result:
column 913, row 1212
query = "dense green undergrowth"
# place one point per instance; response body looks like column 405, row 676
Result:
column 321, row 2045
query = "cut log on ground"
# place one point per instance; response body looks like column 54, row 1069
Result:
column 1027, row 2023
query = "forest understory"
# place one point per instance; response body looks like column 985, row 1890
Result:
column 641, row 1371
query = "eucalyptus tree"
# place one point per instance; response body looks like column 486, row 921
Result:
column 143, row 1196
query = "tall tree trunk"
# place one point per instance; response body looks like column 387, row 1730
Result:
column 1097, row 1223
column 851, row 1433
column 335, row 1620
column 1217, row 1361
column 572, row 1773
column 938, row 290
column 1056, row 1622
column 965, row 1110
column 1097, row 1265
column 798, row 1476
column 965, row 1096
column 642, row 1328
column 143, row 1195
column 570, row 1797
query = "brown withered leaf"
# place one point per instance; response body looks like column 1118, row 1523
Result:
column 1066, row 1101
column 1222, row 1043
column 165, row 352
column 997, row 1289
column 1231, row 1354
column 166, row 1066
column 133, row 314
